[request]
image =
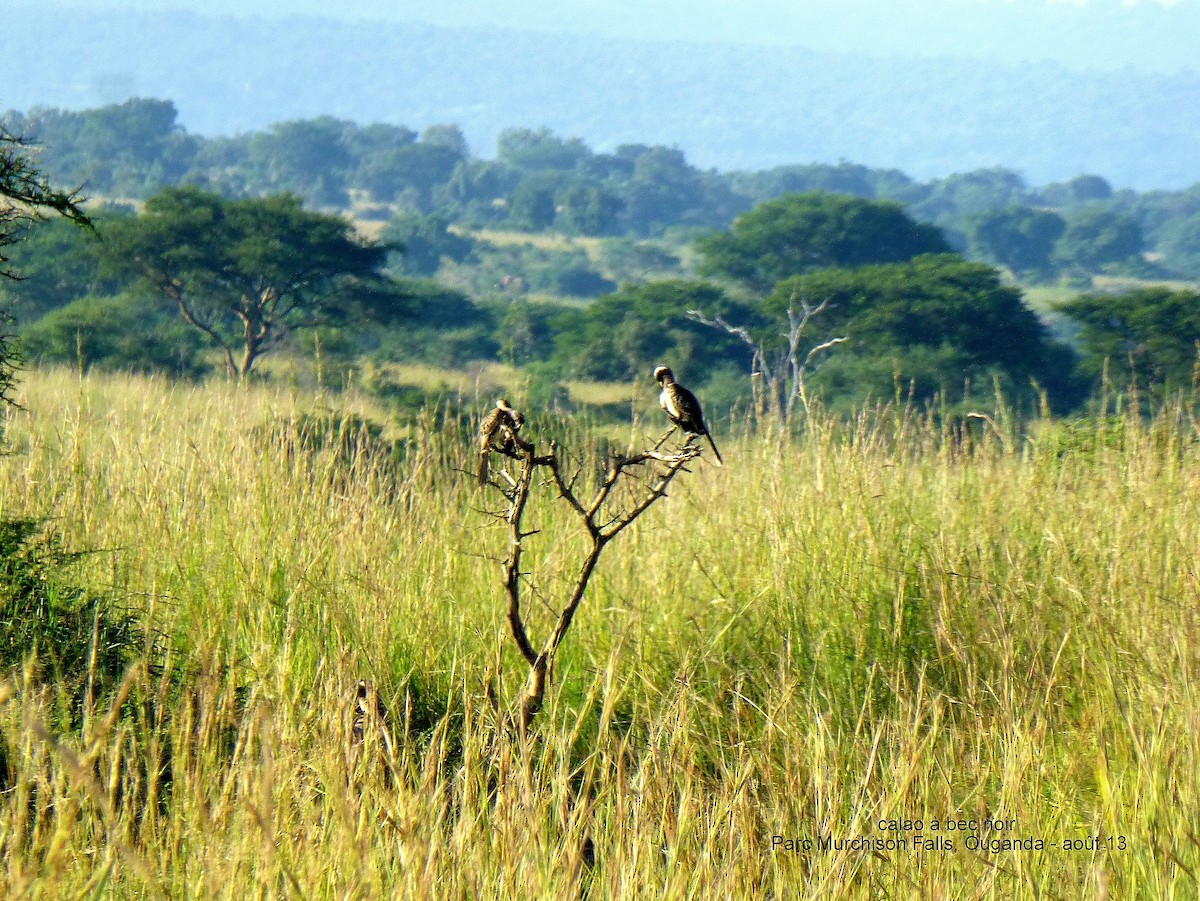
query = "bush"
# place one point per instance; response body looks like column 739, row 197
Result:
column 79, row 640
column 125, row 332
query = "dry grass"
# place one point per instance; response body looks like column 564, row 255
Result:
column 541, row 240
column 855, row 627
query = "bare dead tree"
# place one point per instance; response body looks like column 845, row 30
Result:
column 603, row 517
column 778, row 377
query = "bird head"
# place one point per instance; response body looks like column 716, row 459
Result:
column 518, row 418
column 663, row 374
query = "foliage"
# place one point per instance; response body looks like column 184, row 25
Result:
column 840, row 178
column 801, row 232
column 526, row 331
column 80, row 641
column 623, row 335
column 306, row 157
column 1181, row 246
column 531, row 205
column 59, row 263
column 588, row 209
column 26, row 195
column 628, row 260
column 1096, row 237
column 26, row 198
column 1079, row 191
column 249, row 271
column 443, row 327
column 116, row 332
column 541, row 181
column 1151, row 333
column 954, row 199
column 523, row 148
column 1019, row 237
column 515, row 269
column 132, row 148
column 939, row 319
column 423, row 241
column 409, row 172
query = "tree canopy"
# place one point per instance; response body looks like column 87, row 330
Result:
column 936, row 321
column 26, row 197
column 798, row 233
column 1153, row 333
column 245, row 272
column 624, row 334
column 1018, row 237
column 1096, row 237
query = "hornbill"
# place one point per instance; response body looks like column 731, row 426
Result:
column 682, row 408
column 498, row 431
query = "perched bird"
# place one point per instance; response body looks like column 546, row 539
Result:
column 498, row 431
column 682, row 408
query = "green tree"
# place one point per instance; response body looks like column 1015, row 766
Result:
column 526, row 332
column 938, row 319
column 310, row 157
column 1081, row 190
column 449, row 136
column 628, row 260
column 539, row 150
column 798, row 233
column 624, row 334
column 662, row 190
column 416, row 169
column 123, row 148
column 59, row 263
column 1018, row 237
column 531, row 205
column 1153, row 333
column 115, row 333
column 246, row 272
column 1180, row 245
column 26, row 198
column 1096, row 237
column 423, row 241
column 964, row 194
column 587, row 209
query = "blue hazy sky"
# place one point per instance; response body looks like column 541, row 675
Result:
column 1150, row 34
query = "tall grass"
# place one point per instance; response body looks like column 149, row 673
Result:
column 875, row 622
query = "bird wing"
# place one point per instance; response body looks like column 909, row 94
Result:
column 687, row 408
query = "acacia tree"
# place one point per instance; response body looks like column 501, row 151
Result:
column 247, row 272
column 26, row 197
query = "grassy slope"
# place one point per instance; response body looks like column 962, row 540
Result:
column 821, row 635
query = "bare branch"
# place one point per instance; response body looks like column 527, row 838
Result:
column 770, row 374
column 600, row 524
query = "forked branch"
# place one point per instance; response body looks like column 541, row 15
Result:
column 602, row 519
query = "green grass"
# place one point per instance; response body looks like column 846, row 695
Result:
column 867, row 623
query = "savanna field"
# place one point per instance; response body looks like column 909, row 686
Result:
column 876, row 660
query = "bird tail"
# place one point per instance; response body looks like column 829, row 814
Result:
column 483, row 467
column 708, row 435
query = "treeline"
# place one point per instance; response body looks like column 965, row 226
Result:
column 842, row 298
column 540, row 181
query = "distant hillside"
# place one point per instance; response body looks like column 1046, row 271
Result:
column 727, row 106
